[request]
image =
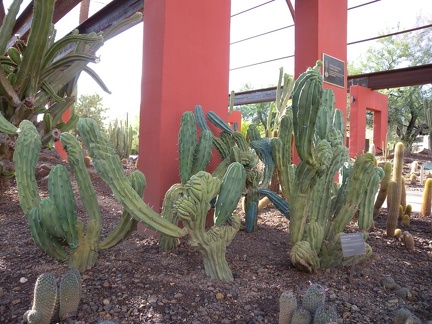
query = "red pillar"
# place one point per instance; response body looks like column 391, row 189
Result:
column 363, row 99
column 321, row 27
column 185, row 63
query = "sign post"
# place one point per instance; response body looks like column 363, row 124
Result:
column 352, row 246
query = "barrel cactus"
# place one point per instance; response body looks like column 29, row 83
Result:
column 319, row 209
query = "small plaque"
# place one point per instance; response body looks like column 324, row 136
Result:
column 333, row 71
column 352, row 244
column 427, row 166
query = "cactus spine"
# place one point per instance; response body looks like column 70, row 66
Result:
column 395, row 190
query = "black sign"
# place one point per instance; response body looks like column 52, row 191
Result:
column 333, row 71
column 352, row 244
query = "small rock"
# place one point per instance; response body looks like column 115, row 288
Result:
column 219, row 296
column 389, row 283
column 23, row 280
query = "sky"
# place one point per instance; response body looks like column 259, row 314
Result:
column 121, row 57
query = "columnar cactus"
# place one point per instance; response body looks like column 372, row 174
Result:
column 319, row 208
column 395, row 190
column 427, row 198
column 382, row 192
column 120, row 134
column 53, row 221
column 193, row 206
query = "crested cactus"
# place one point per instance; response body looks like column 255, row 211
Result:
column 53, row 221
column 193, row 206
column 395, row 191
column 121, row 135
column 319, row 209
column 52, row 302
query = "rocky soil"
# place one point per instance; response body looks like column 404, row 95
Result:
column 135, row 283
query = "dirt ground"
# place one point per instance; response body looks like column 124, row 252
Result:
column 135, row 283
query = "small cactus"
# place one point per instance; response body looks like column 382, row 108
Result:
column 287, row 307
column 314, row 298
column 301, row 316
column 52, row 302
column 408, row 241
column 427, row 198
column 325, row 314
column 405, row 220
column 44, row 300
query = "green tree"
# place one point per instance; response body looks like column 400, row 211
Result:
column 91, row 106
column 255, row 113
column 406, row 113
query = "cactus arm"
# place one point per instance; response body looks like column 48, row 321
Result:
column 263, row 148
column 61, row 192
column 30, row 67
column 357, row 183
column 8, row 24
column 365, row 215
column 305, row 105
column 109, row 167
column 200, row 118
column 127, row 224
column 218, row 122
column 169, row 212
column 79, row 169
column 382, row 193
column 203, row 152
column 186, row 144
column 42, row 238
column 26, row 155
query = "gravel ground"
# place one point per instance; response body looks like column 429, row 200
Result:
column 135, row 283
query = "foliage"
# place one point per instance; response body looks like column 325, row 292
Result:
column 91, row 106
column 406, row 114
column 38, row 75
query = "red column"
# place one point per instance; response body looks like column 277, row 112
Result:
column 321, row 27
column 185, row 63
column 363, row 99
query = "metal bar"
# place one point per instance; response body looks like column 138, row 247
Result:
column 410, row 76
column 113, row 12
